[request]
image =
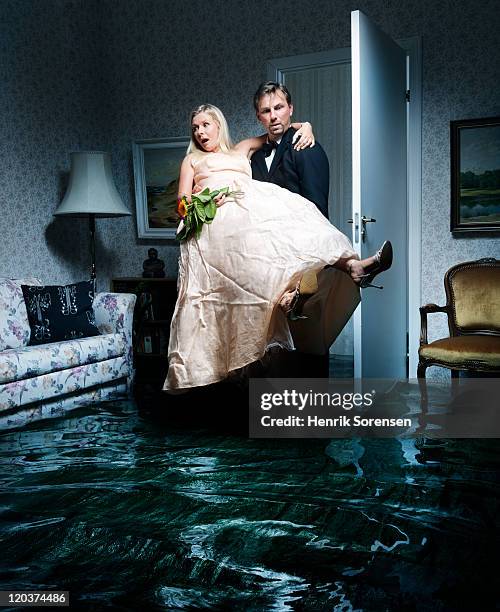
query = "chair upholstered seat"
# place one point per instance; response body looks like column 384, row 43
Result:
column 467, row 350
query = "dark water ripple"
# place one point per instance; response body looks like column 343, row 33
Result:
column 129, row 514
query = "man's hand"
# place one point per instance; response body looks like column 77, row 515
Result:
column 303, row 137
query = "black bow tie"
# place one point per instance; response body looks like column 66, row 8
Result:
column 268, row 147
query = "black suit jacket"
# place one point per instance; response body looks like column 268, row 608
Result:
column 304, row 172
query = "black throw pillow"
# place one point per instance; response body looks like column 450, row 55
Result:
column 60, row 313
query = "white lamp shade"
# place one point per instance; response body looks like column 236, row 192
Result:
column 91, row 190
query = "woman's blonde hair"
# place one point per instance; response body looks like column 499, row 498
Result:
column 215, row 113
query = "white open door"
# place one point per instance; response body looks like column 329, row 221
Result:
column 379, row 193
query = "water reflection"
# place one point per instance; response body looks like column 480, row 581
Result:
column 127, row 512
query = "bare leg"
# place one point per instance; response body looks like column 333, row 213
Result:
column 356, row 268
column 363, row 271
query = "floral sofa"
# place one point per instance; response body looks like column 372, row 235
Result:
column 48, row 379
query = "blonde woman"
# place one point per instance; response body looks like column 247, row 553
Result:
column 240, row 280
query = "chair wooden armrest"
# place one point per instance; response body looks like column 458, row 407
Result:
column 424, row 310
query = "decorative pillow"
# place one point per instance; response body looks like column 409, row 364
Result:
column 60, row 313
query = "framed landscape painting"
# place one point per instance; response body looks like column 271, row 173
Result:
column 475, row 175
column 156, row 171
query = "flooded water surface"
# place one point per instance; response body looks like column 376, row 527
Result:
column 129, row 512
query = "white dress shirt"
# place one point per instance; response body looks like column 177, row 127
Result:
column 270, row 157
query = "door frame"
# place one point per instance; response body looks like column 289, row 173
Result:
column 413, row 47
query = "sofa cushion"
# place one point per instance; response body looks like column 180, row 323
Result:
column 63, row 384
column 31, row 361
column 58, row 313
column 14, row 326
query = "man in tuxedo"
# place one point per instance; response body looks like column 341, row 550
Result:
column 305, row 172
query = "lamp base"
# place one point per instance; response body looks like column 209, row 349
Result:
column 92, row 245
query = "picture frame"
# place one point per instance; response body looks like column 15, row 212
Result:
column 157, row 164
column 475, row 175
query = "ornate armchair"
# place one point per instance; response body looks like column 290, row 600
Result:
column 473, row 311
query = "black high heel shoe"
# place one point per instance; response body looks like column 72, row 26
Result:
column 307, row 286
column 383, row 261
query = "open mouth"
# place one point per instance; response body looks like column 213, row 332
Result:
column 204, row 141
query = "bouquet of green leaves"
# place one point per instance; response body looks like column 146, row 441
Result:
column 202, row 209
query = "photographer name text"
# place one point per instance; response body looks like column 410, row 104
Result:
column 313, row 420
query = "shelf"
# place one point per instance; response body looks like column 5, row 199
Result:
column 155, row 305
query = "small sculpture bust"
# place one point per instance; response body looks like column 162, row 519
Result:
column 152, row 266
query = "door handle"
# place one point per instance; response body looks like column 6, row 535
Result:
column 364, row 221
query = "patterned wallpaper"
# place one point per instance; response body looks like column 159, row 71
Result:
column 49, row 104
column 92, row 74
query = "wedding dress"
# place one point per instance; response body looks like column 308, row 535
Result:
column 231, row 279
